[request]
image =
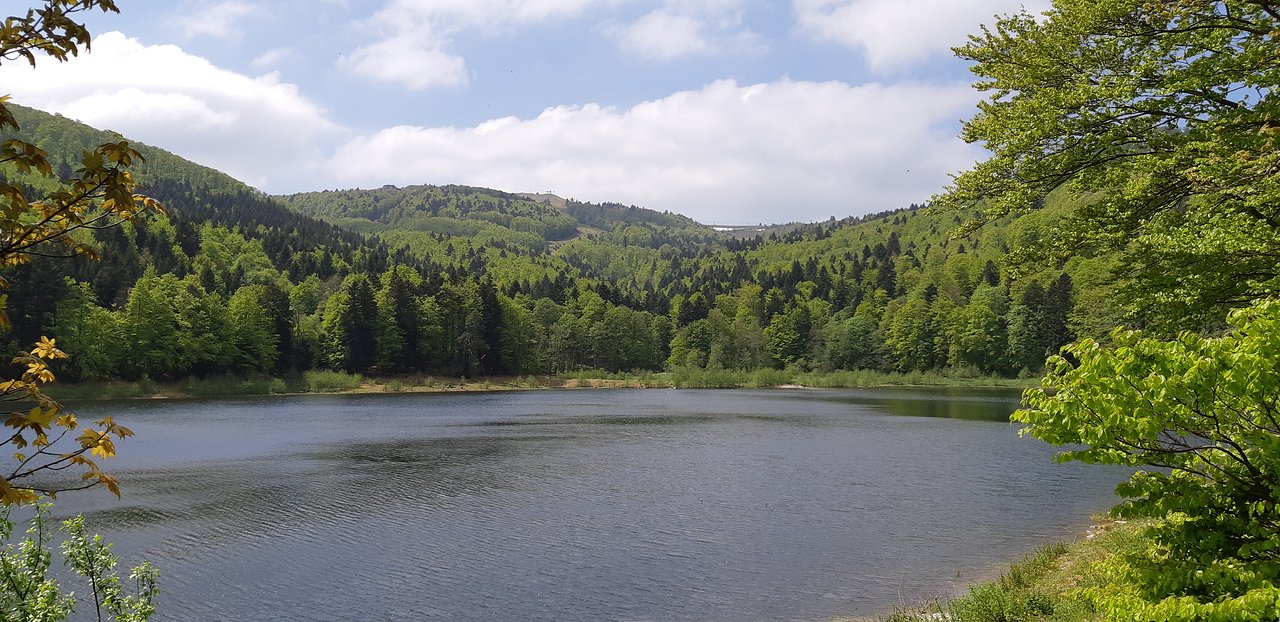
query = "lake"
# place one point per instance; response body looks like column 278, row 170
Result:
column 580, row 505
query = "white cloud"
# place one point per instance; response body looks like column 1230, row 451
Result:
column 413, row 60
column 271, row 57
column 724, row 153
column 256, row 129
column 681, row 28
column 894, row 33
column 218, row 21
column 662, row 36
column 412, row 36
column 490, row 13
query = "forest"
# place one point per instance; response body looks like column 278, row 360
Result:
column 1120, row 243
column 458, row 281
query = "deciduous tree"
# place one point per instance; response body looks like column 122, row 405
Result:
column 1207, row 412
column 1168, row 110
column 1166, row 114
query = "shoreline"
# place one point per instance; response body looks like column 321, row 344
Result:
column 1050, row 584
column 339, row 383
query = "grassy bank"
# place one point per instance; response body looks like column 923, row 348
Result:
column 1050, row 585
column 307, row 382
column 697, row 378
column 341, row 382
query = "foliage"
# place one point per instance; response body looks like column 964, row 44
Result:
column 27, row 592
column 100, row 193
column 92, row 559
column 323, row 381
column 1208, row 411
column 1159, row 117
column 37, row 429
column 200, row 295
column 1166, row 114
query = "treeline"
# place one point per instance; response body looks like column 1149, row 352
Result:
column 609, row 216
column 986, row 330
column 230, row 308
column 170, row 326
column 453, row 210
column 466, row 281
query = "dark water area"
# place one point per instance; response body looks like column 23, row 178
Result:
column 581, row 505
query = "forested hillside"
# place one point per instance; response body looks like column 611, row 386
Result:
column 454, row 280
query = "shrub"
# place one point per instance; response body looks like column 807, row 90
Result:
column 27, row 592
column 325, row 381
column 1204, row 412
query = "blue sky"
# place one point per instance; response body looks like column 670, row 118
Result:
column 729, row 111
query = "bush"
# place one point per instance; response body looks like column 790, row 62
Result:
column 1204, row 411
column 27, row 592
column 325, row 381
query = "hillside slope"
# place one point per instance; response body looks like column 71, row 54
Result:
column 457, row 280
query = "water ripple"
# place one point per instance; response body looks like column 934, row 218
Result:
column 582, row 505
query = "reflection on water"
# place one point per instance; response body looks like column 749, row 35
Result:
column 985, row 404
column 581, row 505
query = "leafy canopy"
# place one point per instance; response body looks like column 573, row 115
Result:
column 30, row 590
column 1165, row 114
column 1207, row 410
column 1166, row 108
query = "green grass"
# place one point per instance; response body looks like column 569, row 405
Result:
column 215, row 386
column 116, row 389
column 1043, row 587
column 325, row 381
column 212, row 386
column 698, row 378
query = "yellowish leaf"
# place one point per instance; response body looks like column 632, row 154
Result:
column 46, row 348
column 41, row 416
column 90, row 438
column 10, row 495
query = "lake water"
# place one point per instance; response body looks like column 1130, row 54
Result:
column 584, row 505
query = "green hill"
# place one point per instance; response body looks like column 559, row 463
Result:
column 459, row 280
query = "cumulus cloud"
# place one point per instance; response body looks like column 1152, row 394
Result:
column 894, row 34
column 724, row 153
column 412, row 37
column 256, row 129
column 217, row 20
column 681, row 28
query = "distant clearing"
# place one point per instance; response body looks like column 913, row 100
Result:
column 544, row 197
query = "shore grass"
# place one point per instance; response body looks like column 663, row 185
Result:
column 213, row 386
column 1046, row 586
column 698, row 378
column 324, row 381
column 318, row 381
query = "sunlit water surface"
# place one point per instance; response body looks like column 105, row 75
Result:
column 580, row 505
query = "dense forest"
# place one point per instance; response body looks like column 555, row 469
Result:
column 463, row 281
column 1130, row 211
